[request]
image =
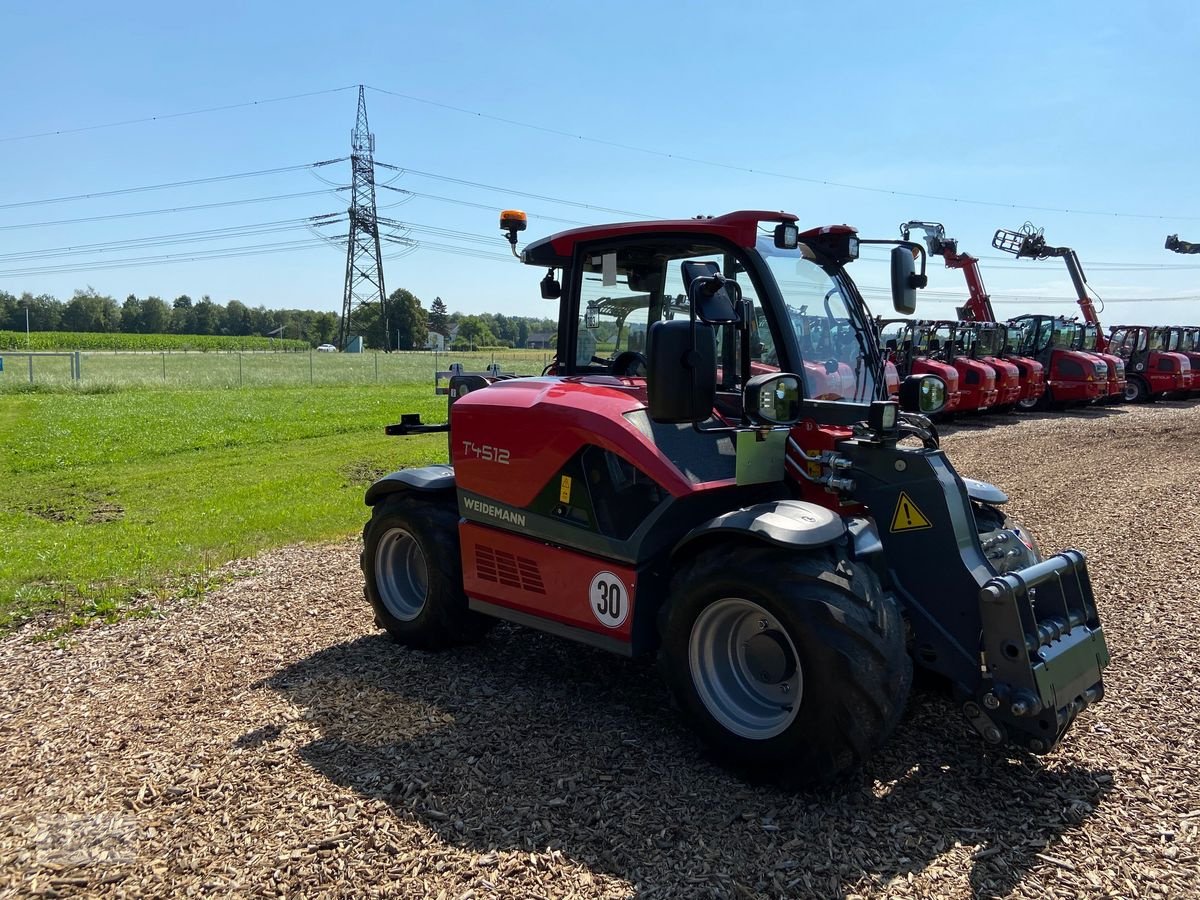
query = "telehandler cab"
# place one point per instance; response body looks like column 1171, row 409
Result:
column 788, row 559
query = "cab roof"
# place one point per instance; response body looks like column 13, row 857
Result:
column 740, row 227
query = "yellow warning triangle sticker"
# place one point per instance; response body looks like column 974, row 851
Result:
column 907, row 517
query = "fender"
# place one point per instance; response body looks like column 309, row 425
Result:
column 984, row 492
column 784, row 523
column 424, row 480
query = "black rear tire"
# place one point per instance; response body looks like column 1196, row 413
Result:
column 413, row 570
column 854, row 671
column 1136, row 391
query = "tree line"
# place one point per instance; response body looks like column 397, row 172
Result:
column 409, row 322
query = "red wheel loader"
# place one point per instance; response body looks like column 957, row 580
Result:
column 978, row 308
column 788, row 559
column 1030, row 243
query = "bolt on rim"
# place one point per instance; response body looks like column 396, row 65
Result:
column 401, row 575
column 745, row 668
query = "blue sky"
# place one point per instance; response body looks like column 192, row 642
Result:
column 1066, row 106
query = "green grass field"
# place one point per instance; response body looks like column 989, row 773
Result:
column 110, row 500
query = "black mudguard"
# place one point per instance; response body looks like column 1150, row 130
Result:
column 425, row 480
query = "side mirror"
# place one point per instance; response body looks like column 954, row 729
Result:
column 681, row 373
column 904, row 281
column 924, row 394
column 773, row 399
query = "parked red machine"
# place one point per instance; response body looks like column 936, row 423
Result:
column 1153, row 370
column 954, row 343
column 1030, row 243
column 1185, row 340
column 1073, row 377
column 906, row 349
column 1030, row 372
column 789, row 560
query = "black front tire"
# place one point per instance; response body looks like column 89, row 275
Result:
column 413, row 570
column 849, row 640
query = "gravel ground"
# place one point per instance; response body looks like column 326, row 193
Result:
column 269, row 742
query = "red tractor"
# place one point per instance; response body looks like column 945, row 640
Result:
column 787, row 559
column 1030, row 373
column 1030, row 243
column 1152, row 371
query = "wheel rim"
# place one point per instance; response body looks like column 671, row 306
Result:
column 1028, row 402
column 1131, row 390
column 745, row 668
column 401, row 576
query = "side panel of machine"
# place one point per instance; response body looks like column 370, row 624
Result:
column 548, row 586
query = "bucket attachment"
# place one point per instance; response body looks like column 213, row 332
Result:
column 1043, row 652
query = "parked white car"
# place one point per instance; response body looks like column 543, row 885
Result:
column 326, row 348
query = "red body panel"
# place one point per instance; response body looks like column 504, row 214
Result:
column 923, row 365
column 1071, row 388
column 1033, row 376
column 1179, row 379
column 982, row 394
column 533, row 577
column 540, row 423
column 1008, row 380
column 891, row 378
column 1116, row 378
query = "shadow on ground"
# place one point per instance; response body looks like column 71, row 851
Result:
column 529, row 742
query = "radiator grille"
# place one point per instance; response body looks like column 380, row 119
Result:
column 508, row 569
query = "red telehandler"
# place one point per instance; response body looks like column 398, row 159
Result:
column 788, row 559
column 1030, row 373
column 1154, row 371
column 954, row 343
column 1030, row 243
column 906, row 348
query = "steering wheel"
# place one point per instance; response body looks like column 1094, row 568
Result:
column 629, row 364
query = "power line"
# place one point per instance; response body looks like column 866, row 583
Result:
column 137, row 262
column 186, row 237
column 177, row 115
column 174, row 184
column 172, row 209
column 767, row 173
column 516, row 193
column 488, row 206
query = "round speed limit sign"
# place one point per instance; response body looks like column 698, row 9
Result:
column 610, row 604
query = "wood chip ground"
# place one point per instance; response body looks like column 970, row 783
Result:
column 269, row 742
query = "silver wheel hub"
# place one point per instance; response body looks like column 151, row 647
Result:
column 745, row 668
column 401, row 575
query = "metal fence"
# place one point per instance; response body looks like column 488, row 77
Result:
column 198, row 369
column 8, row 357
